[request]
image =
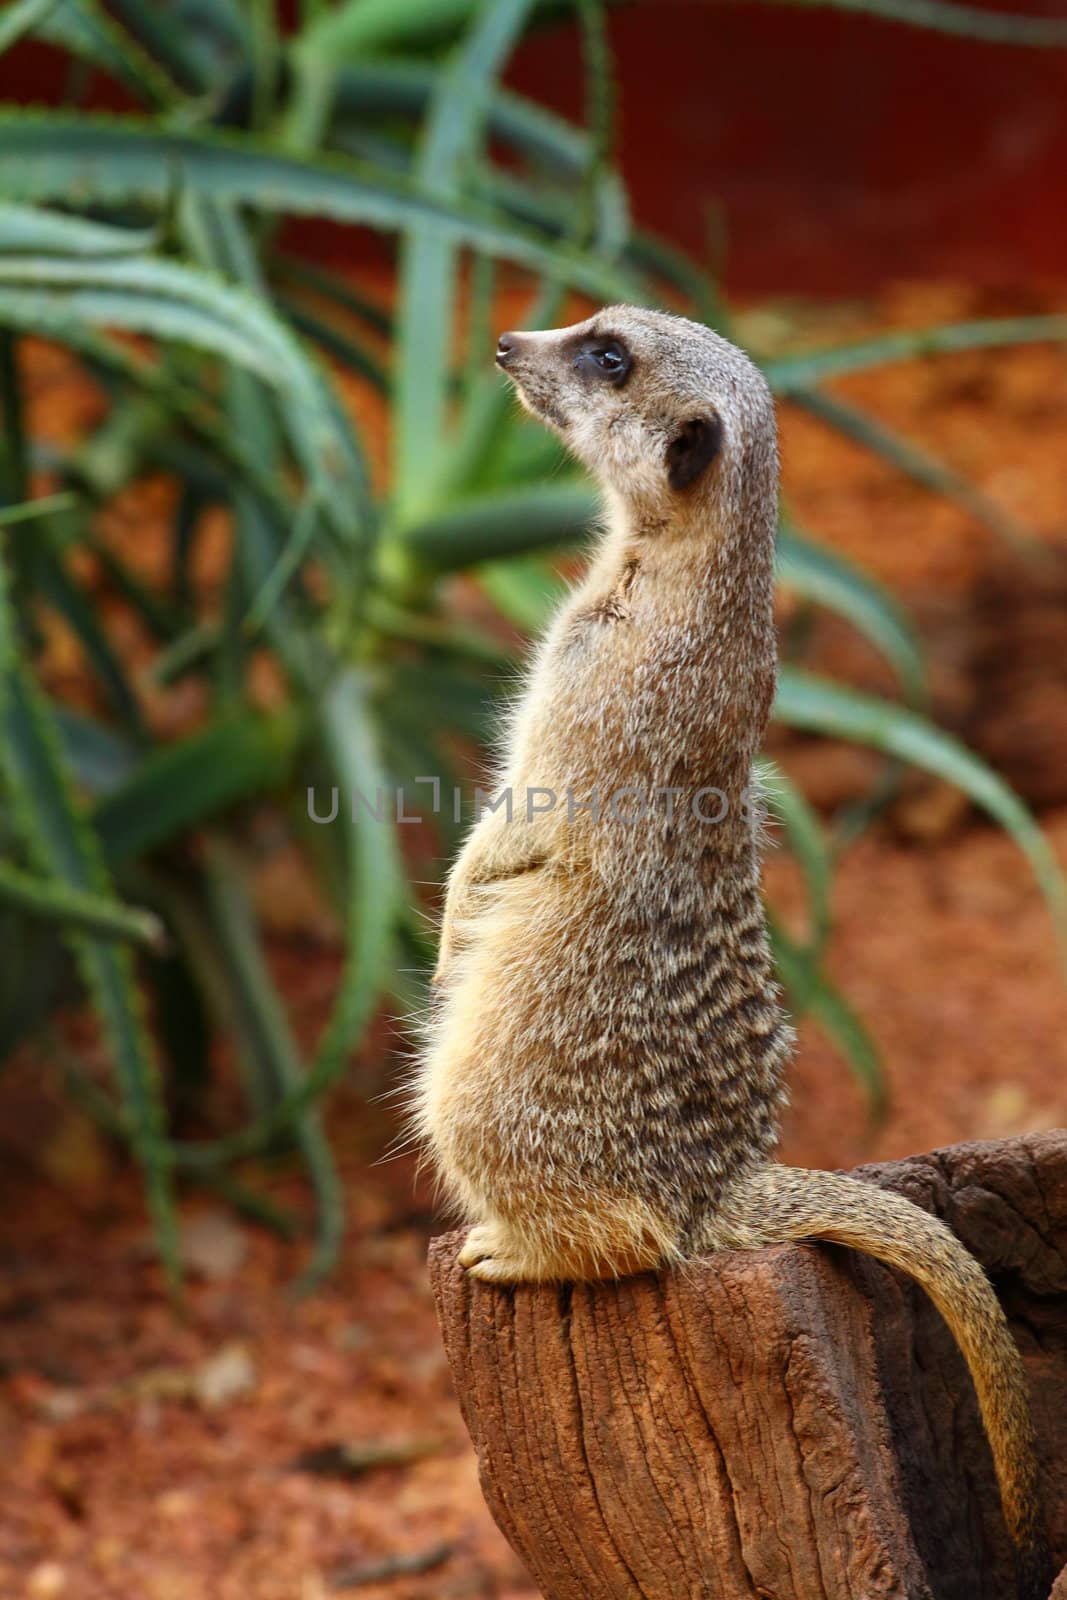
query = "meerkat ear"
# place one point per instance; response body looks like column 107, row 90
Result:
column 693, row 449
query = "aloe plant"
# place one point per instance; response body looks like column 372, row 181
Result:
column 149, row 245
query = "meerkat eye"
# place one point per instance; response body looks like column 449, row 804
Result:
column 604, row 358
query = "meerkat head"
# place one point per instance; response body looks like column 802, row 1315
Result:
column 661, row 410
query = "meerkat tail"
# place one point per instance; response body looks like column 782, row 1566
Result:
column 783, row 1203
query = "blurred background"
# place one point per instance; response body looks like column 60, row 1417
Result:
column 273, row 538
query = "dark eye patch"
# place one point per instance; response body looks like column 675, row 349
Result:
column 604, row 357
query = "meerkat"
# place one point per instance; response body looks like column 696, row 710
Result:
column 602, row 1078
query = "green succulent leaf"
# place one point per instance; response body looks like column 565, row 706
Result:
column 551, row 144
column 46, row 156
column 815, row 704
column 224, row 243
column 22, row 17
column 813, row 571
column 199, row 51
column 176, row 302
column 51, row 901
column 98, row 758
column 64, row 850
column 254, row 1011
column 337, row 292
column 965, row 22
column 46, row 505
column 788, row 373
column 8, row 636
column 376, row 888
column 448, row 697
column 350, row 352
column 59, row 589
column 503, row 523
column 362, row 28
column 31, row 229
column 450, row 139
column 86, row 30
column 376, row 891
column 181, row 786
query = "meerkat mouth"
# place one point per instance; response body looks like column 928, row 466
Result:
column 531, row 396
column 541, row 407
column 536, row 402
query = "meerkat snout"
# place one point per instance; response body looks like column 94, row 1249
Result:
column 648, row 414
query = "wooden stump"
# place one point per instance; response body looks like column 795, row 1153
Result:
column 792, row 1423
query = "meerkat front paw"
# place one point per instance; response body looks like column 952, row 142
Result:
column 480, row 1243
column 489, row 1255
column 499, row 1269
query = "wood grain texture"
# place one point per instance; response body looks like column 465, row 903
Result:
column 793, row 1423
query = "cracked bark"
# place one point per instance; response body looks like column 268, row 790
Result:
column 792, row 1423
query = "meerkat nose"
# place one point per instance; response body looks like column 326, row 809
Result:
column 505, row 346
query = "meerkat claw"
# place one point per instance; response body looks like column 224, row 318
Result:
column 496, row 1269
column 479, row 1243
column 485, row 1256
